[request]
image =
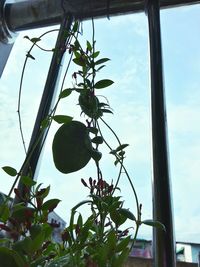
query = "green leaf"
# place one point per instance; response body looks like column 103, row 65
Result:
column 28, row 181
column 127, row 213
column 97, row 140
column 103, row 105
column 21, row 213
column 96, row 155
column 79, row 61
column 121, row 153
column 75, row 26
column 104, row 110
column 10, row 258
column 95, row 54
column 124, row 243
column 65, row 93
column 38, row 241
column 77, row 54
column 122, row 257
column 112, row 241
column 101, row 67
column 47, row 229
column 89, row 46
column 62, row 119
column 4, row 240
column 45, row 123
column 30, row 56
column 23, row 246
column 121, row 147
column 153, row 223
column 35, row 40
column 93, row 130
column 35, row 230
column 117, row 218
column 80, row 220
column 116, row 162
column 4, row 213
column 62, row 261
column 103, row 83
column 84, row 233
column 10, row 171
column 102, row 60
column 71, row 147
column 81, row 204
column 46, row 192
column 50, row 204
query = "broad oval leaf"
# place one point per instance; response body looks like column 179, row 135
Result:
column 97, row 140
column 103, row 83
column 71, row 147
column 9, row 170
column 96, row 155
column 62, row 118
column 79, row 61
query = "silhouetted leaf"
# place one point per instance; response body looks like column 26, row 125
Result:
column 35, row 40
column 102, row 60
column 62, row 118
column 97, row 140
column 28, row 181
column 30, row 56
column 103, row 83
column 50, row 204
column 127, row 213
column 65, row 93
column 10, row 171
column 153, row 223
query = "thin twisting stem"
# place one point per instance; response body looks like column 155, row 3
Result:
column 20, row 89
column 128, row 177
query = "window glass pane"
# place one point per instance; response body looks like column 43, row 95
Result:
column 125, row 41
column 11, row 147
column 180, row 36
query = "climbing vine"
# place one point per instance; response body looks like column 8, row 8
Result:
column 99, row 240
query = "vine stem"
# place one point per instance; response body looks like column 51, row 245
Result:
column 20, row 89
column 29, row 154
column 120, row 170
column 128, row 177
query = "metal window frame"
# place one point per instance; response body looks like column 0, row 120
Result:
column 39, row 13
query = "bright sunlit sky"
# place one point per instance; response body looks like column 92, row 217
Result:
column 124, row 40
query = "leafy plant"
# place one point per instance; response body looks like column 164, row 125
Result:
column 99, row 240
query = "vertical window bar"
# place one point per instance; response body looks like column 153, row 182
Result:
column 46, row 101
column 163, row 242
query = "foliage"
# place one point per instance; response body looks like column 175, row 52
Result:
column 99, row 240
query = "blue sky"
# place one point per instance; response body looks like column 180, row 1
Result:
column 124, row 40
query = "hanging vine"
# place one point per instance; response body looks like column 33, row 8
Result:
column 100, row 240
